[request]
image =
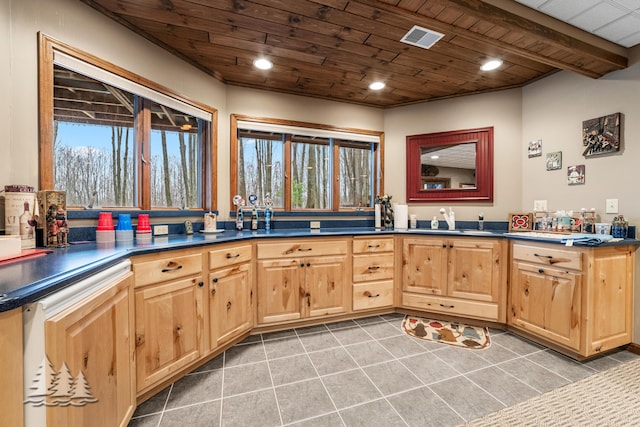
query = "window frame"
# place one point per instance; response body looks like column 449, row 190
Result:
column 47, row 46
column 378, row 161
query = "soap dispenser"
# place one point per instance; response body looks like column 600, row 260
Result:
column 434, row 223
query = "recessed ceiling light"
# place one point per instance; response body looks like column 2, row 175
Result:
column 491, row 64
column 377, row 86
column 434, row 157
column 263, row 64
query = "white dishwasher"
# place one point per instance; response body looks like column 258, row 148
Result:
column 39, row 374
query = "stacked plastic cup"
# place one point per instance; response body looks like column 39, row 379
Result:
column 143, row 230
column 105, row 232
column 124, row 232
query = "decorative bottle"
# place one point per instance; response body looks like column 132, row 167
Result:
column 26, row 230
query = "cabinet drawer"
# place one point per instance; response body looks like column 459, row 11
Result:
column 372, row 267
column 301, row 249
column 548, row 256
column 229, row 256
column 451, row 306
column 163, row 269
column 373, row 295
column 368, row 245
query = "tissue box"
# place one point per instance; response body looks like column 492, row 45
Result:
column 10, row 246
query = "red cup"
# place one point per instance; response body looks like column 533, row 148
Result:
column 144, row 226
column 105, row 221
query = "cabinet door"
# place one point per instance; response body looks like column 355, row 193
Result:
column 326, row 289
column 90, row 345
column 230, row 302
column 280, row 290
column 474, row 269
column 546, row 302
column 169, row 324
column 424, row 266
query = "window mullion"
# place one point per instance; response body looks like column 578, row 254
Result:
column 335, row 191
column 143, row 148
column 287, row 172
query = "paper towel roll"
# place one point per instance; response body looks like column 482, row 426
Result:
column 400, row 217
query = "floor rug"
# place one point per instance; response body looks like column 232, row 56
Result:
column 451, row 333
column 608, row 398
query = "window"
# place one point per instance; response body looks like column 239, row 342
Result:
column 304, row 166
column 112, row 139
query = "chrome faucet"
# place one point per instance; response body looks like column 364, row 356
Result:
column 450, row 218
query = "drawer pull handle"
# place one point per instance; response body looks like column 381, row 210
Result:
column 200, row 284
column 172, row 266
column 214, row 280
column 368, row 295
column 447, row 306
column 543, row 256
column 305, row 249
column 374, row 267
column 229, row 256
column 373, row 246
column 541, row 270
column 228, row 305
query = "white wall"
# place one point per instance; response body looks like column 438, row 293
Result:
column 502, row 110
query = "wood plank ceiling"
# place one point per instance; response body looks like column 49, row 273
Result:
column 333, row 49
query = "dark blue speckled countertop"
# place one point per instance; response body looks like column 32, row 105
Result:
column 29, row 280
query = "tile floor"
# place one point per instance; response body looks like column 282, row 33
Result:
column 361, row 373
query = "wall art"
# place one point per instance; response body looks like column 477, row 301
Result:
column 601, row 135
column 575, row 175
column 535, row 148
column 554, row 160
column 520, row 221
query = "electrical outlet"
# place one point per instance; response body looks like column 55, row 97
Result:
column 611, row 206
column 314, row 224
column 160, row 230
column 539, row 205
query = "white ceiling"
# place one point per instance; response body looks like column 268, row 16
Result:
column 614, row 20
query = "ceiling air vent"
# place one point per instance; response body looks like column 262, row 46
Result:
column 421, row 37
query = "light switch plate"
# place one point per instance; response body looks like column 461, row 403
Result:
column 611, row 206
column 539, row 205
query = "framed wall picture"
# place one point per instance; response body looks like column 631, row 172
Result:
column 575, row 175
column 535, row 148
column 601, row 135
column 554, row 160
column 520, row 221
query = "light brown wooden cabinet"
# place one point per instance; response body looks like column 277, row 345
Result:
column 230, row 293
column 11, row 388
column 302, row 279
column 92, row 340
column 460, row 276
column 169, row 314
column 373, row 272
column 579, row 299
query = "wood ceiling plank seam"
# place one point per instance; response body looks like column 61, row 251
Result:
column 518, row 23
column 412, row 5
column 172, row 30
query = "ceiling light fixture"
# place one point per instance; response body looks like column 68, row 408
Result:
column 491, row 64
column 377, row 86
column 263, row 64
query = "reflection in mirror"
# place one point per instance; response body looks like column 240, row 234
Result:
column 449, row 166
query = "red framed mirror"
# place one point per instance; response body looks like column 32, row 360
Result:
column 450, row 166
